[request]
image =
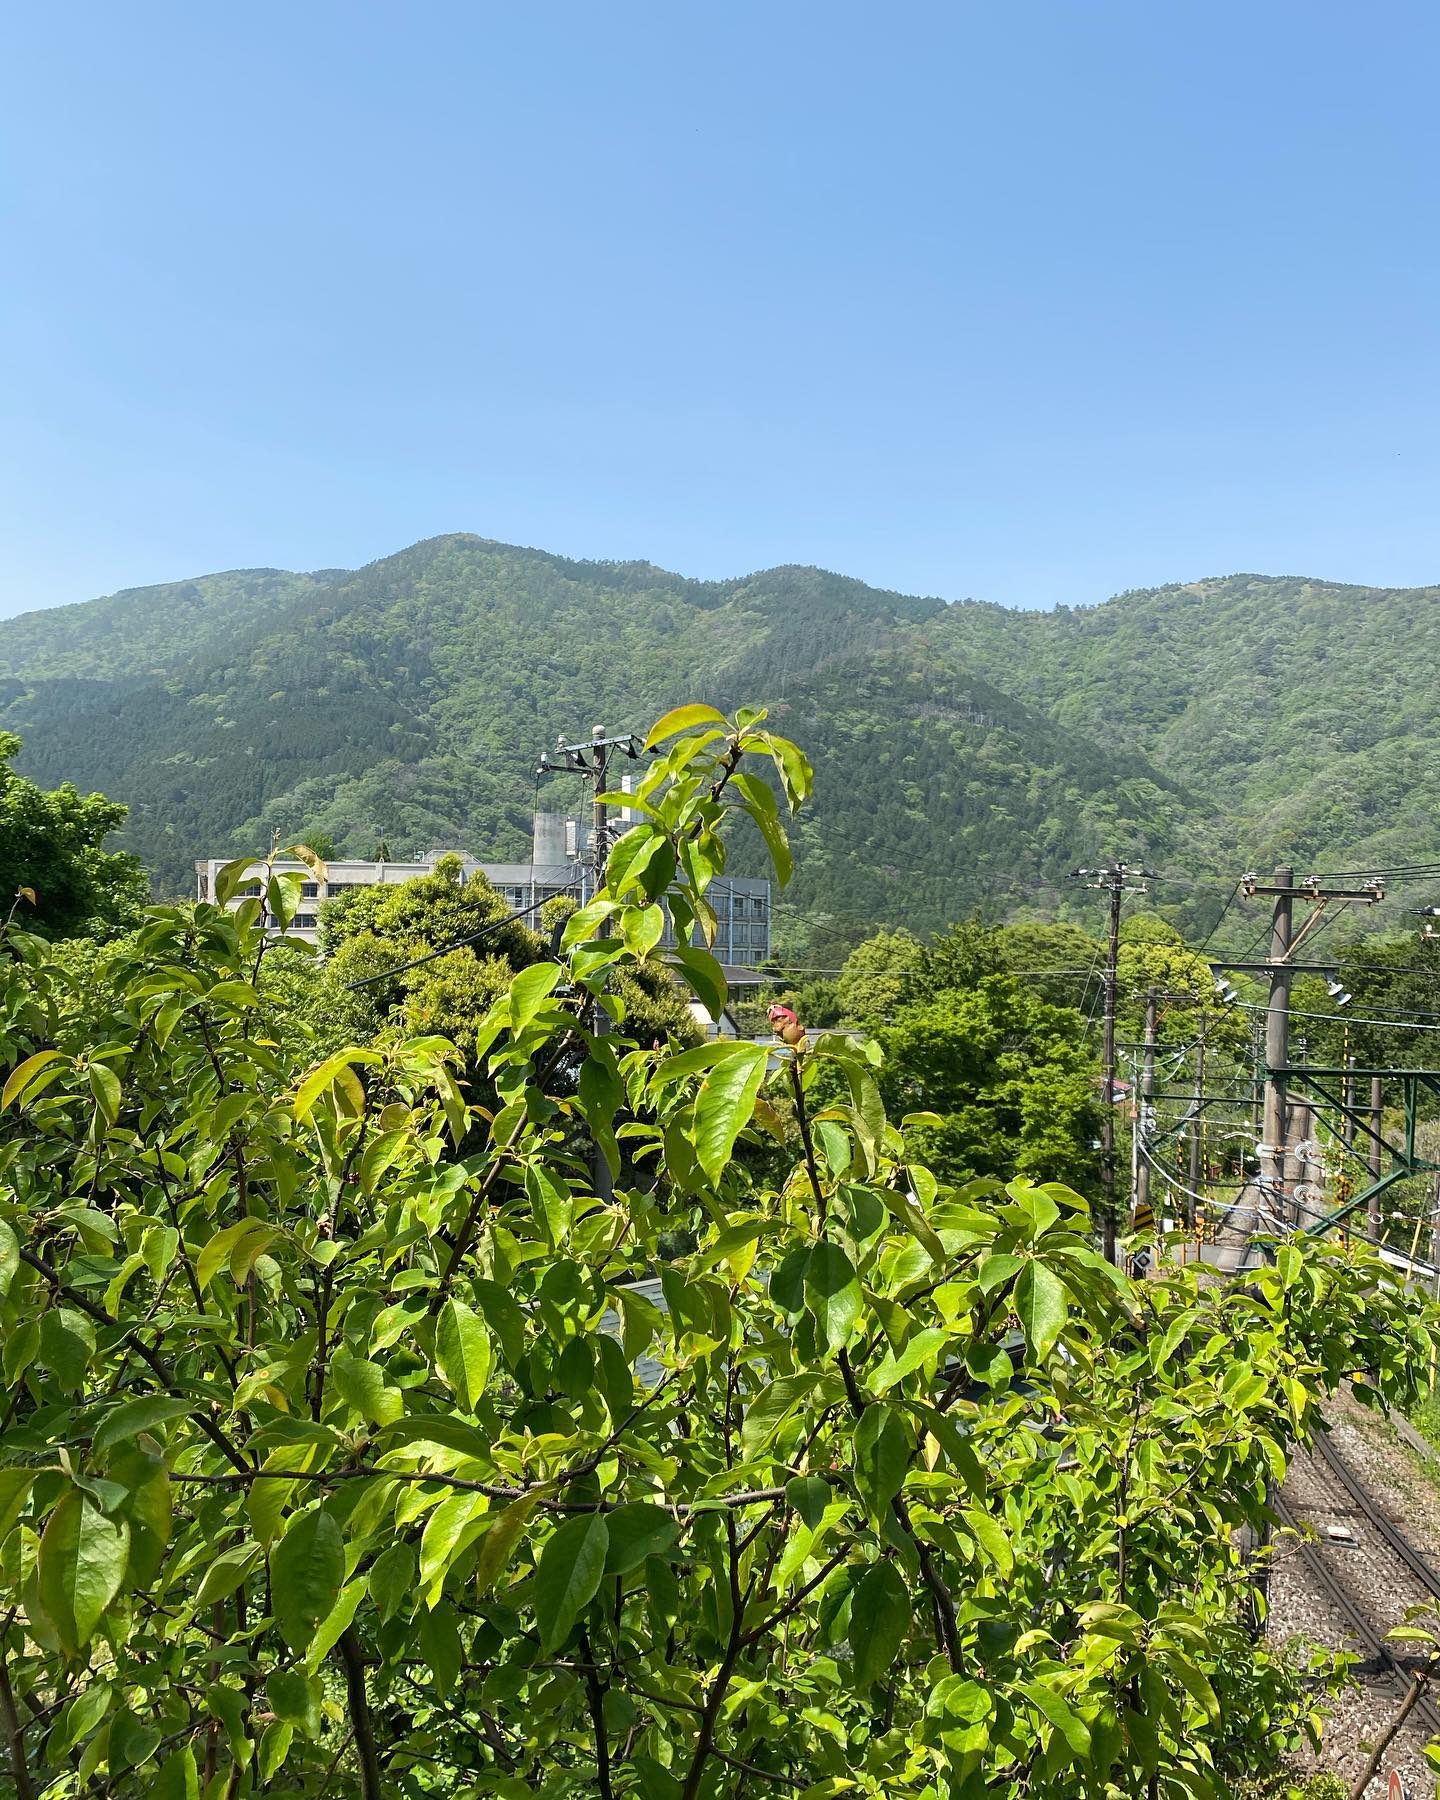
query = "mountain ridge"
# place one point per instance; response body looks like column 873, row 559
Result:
column 985, row 749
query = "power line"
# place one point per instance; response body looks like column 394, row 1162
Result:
column 1338, row 1018
column 1234, row 895
column 475, row 937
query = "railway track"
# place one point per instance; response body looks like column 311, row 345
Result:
column 1370, row 1580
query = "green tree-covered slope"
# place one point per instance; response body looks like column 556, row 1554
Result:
column 967, row 756
column 1306, row 709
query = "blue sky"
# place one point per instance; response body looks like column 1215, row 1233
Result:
column 1027, row 301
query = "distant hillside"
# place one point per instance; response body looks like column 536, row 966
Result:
column 967, row 756
column 1307, row 710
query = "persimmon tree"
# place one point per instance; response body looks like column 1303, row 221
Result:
column 334, row 1461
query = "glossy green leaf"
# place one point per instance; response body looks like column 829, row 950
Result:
column 337, row 1621
column 82, row 1562
column 307, row 1566
column 880, row 1614
column 67, row 1342
column 528, row 991
column 770, row 1408
column 392, row 1579
column 446, row 1533
column 105, row 1086
column 226, row 1573
column 296, row 1699
column 1060, row 1714
column 177, row 1777
column 15, row 1485
column 682, row 718
column 635, row 1532
column 1040, row 1302
column 9, row 1257
column 361, row 1384
column 25, row 1072
column 883, row 1446
column 462, row 1352
column 504, row 1316
column 131, row 1417
column 724, row 1106
column 568, row 1575
column 832, row 1293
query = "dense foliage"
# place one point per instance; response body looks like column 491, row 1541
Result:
column 1301, row 706
column 434, row 954
column 1008, row 1072
column 54, row 869
column 358, row 1446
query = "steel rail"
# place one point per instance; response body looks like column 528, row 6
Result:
column 1366, row 1501
column 1376, row 1649
column 1370, row 1636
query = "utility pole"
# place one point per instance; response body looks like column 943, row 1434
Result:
column 599, row 857
column 599, row 843
column 1145, row 1116
column 1277, row 1037
column 1196, row 1166
column 1435, row 1260
column 1284, row 942
column 1114, row 881
column 591, row 761
column 1377, row 1112
column 1347, row 1095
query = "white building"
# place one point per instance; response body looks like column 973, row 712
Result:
column 558, row 865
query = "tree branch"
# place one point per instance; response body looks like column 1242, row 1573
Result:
column 370, row 1783
column 14, row 1733
column 1418, row 1683
column 159, row 1369
column 595, row 1693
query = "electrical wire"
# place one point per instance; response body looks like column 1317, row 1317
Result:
column 1339, row 1018
column 1234, row 895
column 475, row 937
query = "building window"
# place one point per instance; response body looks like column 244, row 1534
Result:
column 304, row 922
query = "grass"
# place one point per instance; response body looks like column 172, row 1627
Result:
column 1291, row 1786
column 1425, row 1417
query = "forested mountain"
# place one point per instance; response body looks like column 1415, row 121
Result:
column 967, row 756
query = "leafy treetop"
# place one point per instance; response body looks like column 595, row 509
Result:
column 52, row 857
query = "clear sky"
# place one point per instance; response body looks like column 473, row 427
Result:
column 1023, row 300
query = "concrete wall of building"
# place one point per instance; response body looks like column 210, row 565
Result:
column 742, row 904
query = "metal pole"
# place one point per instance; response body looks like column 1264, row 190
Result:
column 1435, row 1264
column 1145, row 1117
column 1107, row 1141
column 1196, row 1167
column 1377, row 1108
column 1277, row 1036
column 599, row 855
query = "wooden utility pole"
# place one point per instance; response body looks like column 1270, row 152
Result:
column 1114, row 881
